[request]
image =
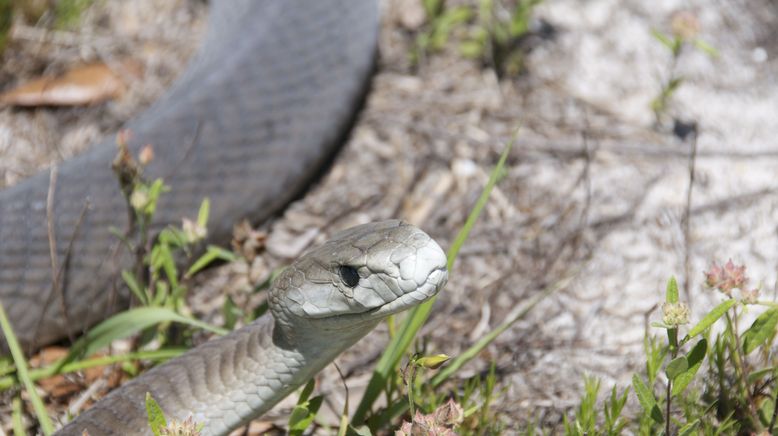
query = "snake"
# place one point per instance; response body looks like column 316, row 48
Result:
column 256, row 117
column 319, row 305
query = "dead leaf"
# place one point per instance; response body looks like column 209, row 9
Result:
column 80, row 86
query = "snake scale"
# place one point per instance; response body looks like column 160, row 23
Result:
column 256, row 117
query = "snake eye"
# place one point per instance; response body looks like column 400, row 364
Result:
column 349, row 275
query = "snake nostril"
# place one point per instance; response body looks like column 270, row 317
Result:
column 349, row 275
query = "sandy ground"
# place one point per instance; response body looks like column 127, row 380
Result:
column 593, row 192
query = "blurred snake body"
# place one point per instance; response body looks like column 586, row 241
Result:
column 258, row 114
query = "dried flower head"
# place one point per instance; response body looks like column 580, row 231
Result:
column 247, row 241
column 449, row 414
column 438, row 423
column 193, row 231
column 139, row 199
column 146, row 154
column 675, row 314
column 424, row 425
column 749, row 296
column 726, row 278
column 187, row 427
column 124, row 165
column 685, row 25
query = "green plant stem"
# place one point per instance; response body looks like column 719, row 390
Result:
column 740, row 370
column 672, row 335
column 775, row 408
column 411, row 387
column 23, row 374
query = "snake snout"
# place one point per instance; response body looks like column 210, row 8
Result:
column 424, row 273
column 419, row 274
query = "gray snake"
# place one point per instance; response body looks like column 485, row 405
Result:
column 258, row 114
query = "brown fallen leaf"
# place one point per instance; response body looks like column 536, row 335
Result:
column 80, row 86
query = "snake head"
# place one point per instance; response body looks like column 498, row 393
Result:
column 359, row 277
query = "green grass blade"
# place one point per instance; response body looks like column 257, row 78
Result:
column 212, row 253
column 482, row 343
column 24, row 376
column 16, row 417
column 131, row 283
column 127, row 323
column 419, row 314
column 80, row 365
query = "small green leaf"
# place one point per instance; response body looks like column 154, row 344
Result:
column 173, row 237
column 303, row 414
column 129, row 279
column 432, row 8
column 169, row 265
column 471, row 49
column 647, row 400
column 758, row 374
column 673, row 85
column 762, row 329
column 127, row 323
column 306, row 392
column 362, row 430
column 231, row 312
column 154, row 191
column 202, row 215
column 676, row 367
column 672, row 291
column 694, row 361
column 711, row 318
column 161, row 295
column 211, row 254
column 689, row 429
column 156, row 416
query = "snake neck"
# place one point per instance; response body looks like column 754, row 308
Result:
column 222, row 384
column 273, row 367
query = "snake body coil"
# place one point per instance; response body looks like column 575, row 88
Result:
column 257, row 115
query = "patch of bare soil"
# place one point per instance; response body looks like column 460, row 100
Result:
column 593, row 193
